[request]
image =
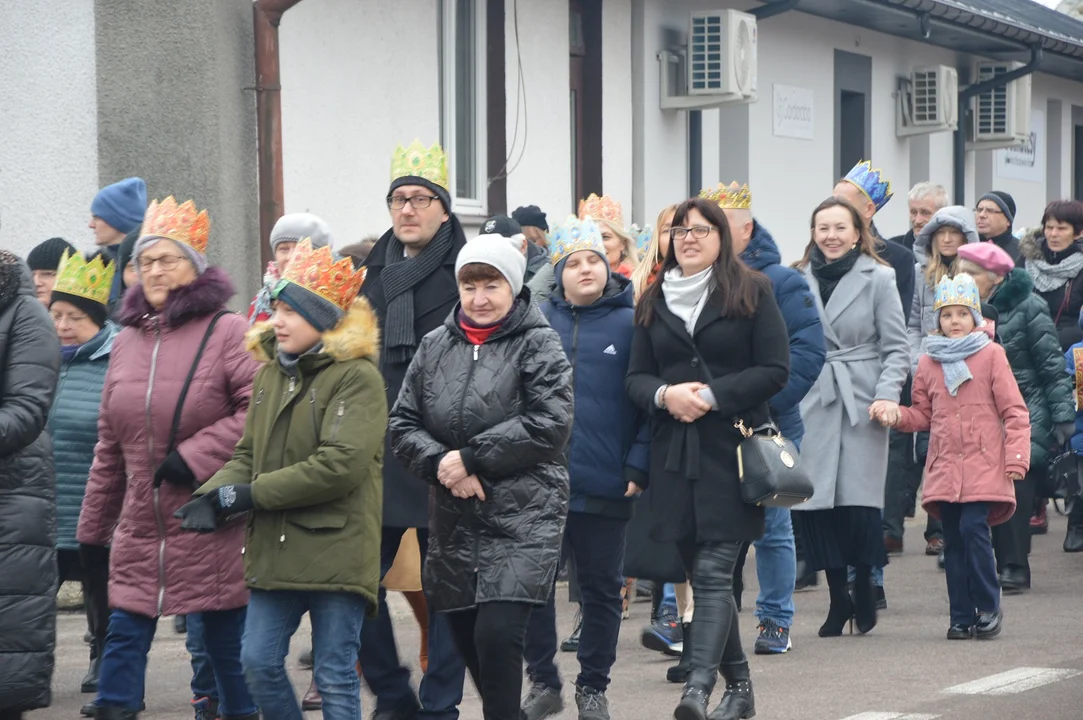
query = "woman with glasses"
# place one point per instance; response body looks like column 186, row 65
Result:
column 172, row 409
column 710, row 349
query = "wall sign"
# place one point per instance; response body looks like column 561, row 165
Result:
column 1026, row 162
column 793, row 112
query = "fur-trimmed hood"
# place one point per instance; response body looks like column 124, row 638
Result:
column 356, row 336
column 208, row 294
column 1016, row 288
column 1030, row 244
column 15, row 279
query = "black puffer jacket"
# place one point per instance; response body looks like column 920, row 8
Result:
column 30, row 357
column 509, row 403
column 1065, row 301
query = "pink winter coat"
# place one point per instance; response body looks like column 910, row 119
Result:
column 976, row 438
column 156, row 568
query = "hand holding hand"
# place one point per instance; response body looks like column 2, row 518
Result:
column 451, row 471
column 468, row 487
column 200, row 514
column 1014, row 476
column 885, row 412
column 684, row 403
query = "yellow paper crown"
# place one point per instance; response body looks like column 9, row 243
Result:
column 958, row 290
column 601, row 208
column 730, row 197
column 86, row 279
column 181, row 223
column 318, row 272
column 422, row 162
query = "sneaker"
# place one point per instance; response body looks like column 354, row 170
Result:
column 664, row 635
column 205, row 708
column 934, row 546
column 592, row 704
column 774, row 639
column 571, row 643
column 542, row 701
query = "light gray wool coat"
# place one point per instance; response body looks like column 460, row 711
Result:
column 843, row 452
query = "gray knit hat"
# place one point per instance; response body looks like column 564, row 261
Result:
column 320, row 314
column 495, row 251
column 294, row 227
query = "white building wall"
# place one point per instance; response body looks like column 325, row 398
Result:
column 358, row 79
column 617, row 103
column 48, row 123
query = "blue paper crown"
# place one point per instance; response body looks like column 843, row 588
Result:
column 643, row 237
column 574, row 235
column 958, row 290
column 870, row 182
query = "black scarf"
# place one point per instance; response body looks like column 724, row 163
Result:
column 399, row 280
column 828, row 274
column 1055, row 257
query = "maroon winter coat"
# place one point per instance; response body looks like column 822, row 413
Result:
column 156, row 568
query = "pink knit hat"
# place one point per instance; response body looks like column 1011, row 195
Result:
column 988, row 256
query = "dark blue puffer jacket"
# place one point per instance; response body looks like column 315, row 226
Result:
column 803, row 323
column 610, row 437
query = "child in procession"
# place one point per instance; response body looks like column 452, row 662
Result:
column 966, row 396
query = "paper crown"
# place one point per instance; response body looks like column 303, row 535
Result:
column 574, row 235
column 182, row 223
column 91, row 279
column 870, row 182
column 732, row 196
column 643, row 237
column 318, row 272
column 958, row 290
column 601, row 208
column 422, row 162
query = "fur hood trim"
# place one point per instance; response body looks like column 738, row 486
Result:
column 356, row 336
column 207, row 295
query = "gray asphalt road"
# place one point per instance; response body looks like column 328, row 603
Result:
column 903, row 670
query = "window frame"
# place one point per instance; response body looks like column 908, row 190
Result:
column 464, row 206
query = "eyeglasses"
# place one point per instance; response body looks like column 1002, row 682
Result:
column 74, row 319
column 167, row 262
column 988, row 211
column 417, row 202
column 698, row 232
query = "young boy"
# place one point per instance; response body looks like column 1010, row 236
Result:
column 308, row 472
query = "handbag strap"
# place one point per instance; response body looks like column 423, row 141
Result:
column 188, row 382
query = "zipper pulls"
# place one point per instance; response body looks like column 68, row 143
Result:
column 341, row 408
column 293, row 384
column 476, row 347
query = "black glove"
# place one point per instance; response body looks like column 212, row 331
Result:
column 94, row 557
column 234, row 499
column 1063, row 433
column 174, row 470
column 200, row 514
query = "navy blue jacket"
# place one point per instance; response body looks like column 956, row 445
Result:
column 803, row 324
column 610, row 436
column 901, row 260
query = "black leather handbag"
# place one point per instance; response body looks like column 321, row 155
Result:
column 770, row 467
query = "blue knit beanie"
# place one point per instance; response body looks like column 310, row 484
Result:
column 122, row 204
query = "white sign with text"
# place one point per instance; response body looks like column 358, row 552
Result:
column 1026, row 162
column 793, row 112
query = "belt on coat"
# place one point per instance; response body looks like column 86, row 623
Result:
column 836, row 374
column 685, row 440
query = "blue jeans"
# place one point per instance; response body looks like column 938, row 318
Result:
column 124, row 662
column 669, row 600
column 776, row 568
column 273, row 617
column 203, row 685
column 969, row 562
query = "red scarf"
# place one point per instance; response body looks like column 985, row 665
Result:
column 478, row 334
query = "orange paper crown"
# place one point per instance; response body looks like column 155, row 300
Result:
column 601, row 208
column 318, row 272
column 181, row 223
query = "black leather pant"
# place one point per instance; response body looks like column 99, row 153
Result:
column 716, row 638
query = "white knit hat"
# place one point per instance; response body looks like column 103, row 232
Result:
column 496, row 251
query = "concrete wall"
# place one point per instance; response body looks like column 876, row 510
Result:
column 176, row 107
column 48, row 122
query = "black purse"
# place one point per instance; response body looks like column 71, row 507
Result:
column 769, row 467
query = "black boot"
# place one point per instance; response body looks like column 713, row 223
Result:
column 806, row 577
column 679, row 672
column 90, row 680
column 1073, row 541
column 842, row 607
column 738, row 703
column 864, row 600
column 104, row 712
column 696, row 696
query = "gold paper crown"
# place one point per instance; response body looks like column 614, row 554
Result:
column 419, row 161
column 318, row 272
column 958, row 290
column 86, row 279
column 601, row 208
column 181, row 223
column 730, row 197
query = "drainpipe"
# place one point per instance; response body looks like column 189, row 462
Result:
column 959, row 157
column 266, row 17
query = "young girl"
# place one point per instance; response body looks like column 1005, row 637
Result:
column 965, row 394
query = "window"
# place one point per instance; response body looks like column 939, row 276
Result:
column 462, row 102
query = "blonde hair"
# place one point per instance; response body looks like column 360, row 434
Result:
column 652, row 257
column 936, row 268
column 628, row 252
column 537, row 236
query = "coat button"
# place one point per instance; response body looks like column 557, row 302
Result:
column 695, row 362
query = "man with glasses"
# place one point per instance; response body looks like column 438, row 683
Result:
column 412, row 287
column 995, row 214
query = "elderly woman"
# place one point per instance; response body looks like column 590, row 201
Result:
column 29, row 364
column 845, row 452
column 1029, row 336
column 710, row 347
column 484, row 415
column 173, row 408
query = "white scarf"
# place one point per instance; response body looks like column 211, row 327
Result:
column 686, row 296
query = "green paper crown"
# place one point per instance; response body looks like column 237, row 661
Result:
column 91, row 280
column 419, row 161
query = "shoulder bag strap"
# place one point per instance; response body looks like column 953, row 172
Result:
column 188, row 382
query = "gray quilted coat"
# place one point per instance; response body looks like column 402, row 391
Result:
column 507, row 405
column 29, row 363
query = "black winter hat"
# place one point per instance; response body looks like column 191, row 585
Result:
column 530, row 216
column 124, row 250
column 47, row 255
column 1004, row 201
column 501, row 225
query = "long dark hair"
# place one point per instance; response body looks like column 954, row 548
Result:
column 866, row 242
column 739, row 285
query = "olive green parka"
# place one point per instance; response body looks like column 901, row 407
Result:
column 313, row 451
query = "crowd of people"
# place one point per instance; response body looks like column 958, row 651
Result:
column 421, row 410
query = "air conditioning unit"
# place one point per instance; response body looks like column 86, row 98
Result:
column 722, row 53
column 1001, row 115
column 928, row 101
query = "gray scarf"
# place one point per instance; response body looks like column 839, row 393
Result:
column 1047, row 276
column 952, row 353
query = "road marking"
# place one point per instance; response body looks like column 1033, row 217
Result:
column 1014, row 681
column 891, row 716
